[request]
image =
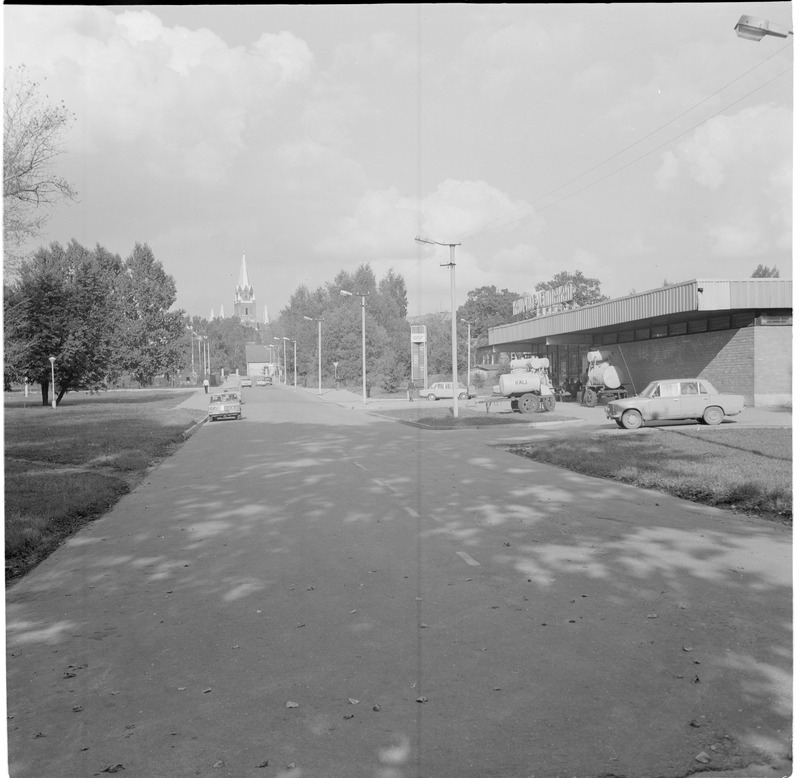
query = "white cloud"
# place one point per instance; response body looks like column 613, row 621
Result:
column 386, row 222
column 737, row 145
column 184, row 93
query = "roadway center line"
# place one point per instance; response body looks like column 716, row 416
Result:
column 411, row 512
column 467, row 558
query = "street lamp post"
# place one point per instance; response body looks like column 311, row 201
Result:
column 191, row 343
column 754, row 29
column 285, row 371
column 363, row 296
column 53, row 379
column 452, row 266
column 279, row 361
column 469, row 347
column 319, row 350
column 294, row 362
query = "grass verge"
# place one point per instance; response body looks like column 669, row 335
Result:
column 747, row 470
column 65, row 468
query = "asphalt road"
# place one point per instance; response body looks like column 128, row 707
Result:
column 313, row 591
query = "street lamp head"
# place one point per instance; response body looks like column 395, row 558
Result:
column 754, row 29
column 52, row 359
column 345, row 293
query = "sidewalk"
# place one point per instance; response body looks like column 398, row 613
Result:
column 750, row 417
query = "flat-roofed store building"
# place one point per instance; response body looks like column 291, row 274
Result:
column 737, row 333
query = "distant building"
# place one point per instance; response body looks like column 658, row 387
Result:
column 244, row 302
column 737, row 333
column 259, row 360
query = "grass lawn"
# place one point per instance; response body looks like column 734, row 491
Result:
column 748, row 470
column 67, row 466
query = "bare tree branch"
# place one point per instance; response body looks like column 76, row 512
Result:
column 32, row 140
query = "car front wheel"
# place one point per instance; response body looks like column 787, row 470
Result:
column 631, row 420
column 431, row 396
column 713, row 415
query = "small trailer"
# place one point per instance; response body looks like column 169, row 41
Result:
column 528, row 385
column 603, row 380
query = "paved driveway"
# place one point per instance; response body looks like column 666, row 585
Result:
column 313, row 591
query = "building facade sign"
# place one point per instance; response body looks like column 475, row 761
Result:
column 545, row 301
column 419, row 354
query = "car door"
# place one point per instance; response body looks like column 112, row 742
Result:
column 693, row 403
column 664, row 402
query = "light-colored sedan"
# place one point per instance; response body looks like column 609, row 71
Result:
column 224, row 405
column 246, row 381
column 675, row 398
column 442, row 390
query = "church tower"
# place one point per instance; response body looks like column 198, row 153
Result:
column 244, row 303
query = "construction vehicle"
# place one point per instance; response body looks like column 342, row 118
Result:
column 528, row 385
column 603, row 382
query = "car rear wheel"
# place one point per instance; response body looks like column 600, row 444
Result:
column 528, row 403
column 631, row 420
column 713, row 415
column 462, row 396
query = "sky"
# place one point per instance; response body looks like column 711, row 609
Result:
column 636, row 143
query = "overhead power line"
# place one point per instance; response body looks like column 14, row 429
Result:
column 504, row 221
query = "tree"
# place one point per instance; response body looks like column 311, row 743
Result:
column 227, row 339
column 150, row 337
column 762, row 271
column 486, row 307
column 33, row 133
column 388, row 353
column 587, row 290
column 63, row 304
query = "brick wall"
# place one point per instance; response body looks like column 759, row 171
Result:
column 725, row 358
column 773, row 366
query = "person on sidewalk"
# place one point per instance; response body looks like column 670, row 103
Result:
column 205, row 385
column 410, row 389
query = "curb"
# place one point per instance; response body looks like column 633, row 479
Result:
column 196, row 426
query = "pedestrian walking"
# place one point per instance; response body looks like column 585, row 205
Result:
column 410, row 389
column 205, row 385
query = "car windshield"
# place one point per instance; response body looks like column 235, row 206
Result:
column 649, row 389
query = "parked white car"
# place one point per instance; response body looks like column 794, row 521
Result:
column 442, row 390
column 675, row 398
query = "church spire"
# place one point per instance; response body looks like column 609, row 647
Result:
column 244, row 305
column 243, row 282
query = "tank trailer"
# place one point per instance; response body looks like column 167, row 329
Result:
column 603, row 380
column 528, row 385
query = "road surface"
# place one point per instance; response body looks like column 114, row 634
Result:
column 315, row 592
